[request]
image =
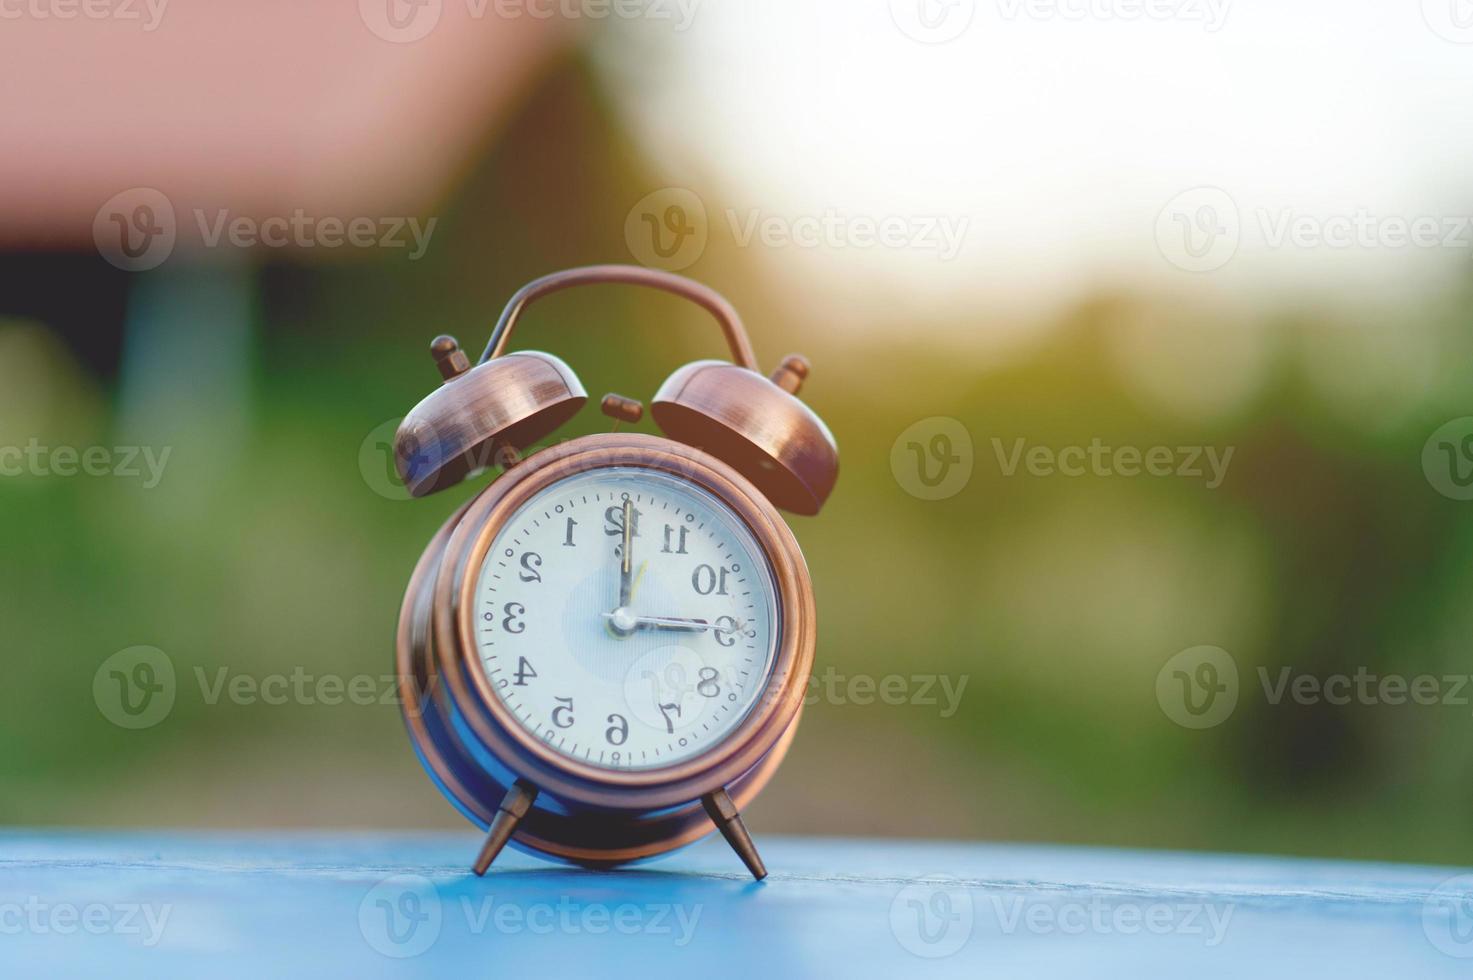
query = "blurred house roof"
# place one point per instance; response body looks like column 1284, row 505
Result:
column 261, row 108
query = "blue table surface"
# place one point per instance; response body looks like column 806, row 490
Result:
column 403, row 904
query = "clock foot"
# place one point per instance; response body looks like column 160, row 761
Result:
column 728, row 820
column 514, row 807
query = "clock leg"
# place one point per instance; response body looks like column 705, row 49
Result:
column 728, row 820
column 514, row 807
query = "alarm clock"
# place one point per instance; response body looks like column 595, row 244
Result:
column 602, row 656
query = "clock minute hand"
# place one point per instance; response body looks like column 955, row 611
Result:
column 626, row 563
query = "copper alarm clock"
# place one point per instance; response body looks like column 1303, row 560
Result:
column 602, row 656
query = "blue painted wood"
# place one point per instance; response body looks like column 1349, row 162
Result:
column 363, row 905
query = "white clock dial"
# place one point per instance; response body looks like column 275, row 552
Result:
column 635, row 666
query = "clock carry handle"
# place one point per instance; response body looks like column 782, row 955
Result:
column 633, row 275
column 754, row 422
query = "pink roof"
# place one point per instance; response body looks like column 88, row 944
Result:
column 260, row 107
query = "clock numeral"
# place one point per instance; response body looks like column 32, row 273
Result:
column 684, row 532
column 512, row 621
column 618, row 730
column 706, row 580
column 562, row 715
column 531, row 561
column 665, row 710
column 524, row 670
column 707, row 687
column 568, row 541
column 614, row 522
column 725, row 630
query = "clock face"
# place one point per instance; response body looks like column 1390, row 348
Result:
column 627, row 618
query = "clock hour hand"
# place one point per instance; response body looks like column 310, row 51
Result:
column 623, row 619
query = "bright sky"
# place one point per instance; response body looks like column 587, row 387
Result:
column 1049, row 142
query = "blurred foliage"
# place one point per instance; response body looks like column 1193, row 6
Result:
column 266, row 548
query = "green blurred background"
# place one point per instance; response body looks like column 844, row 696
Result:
column 273, row 541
